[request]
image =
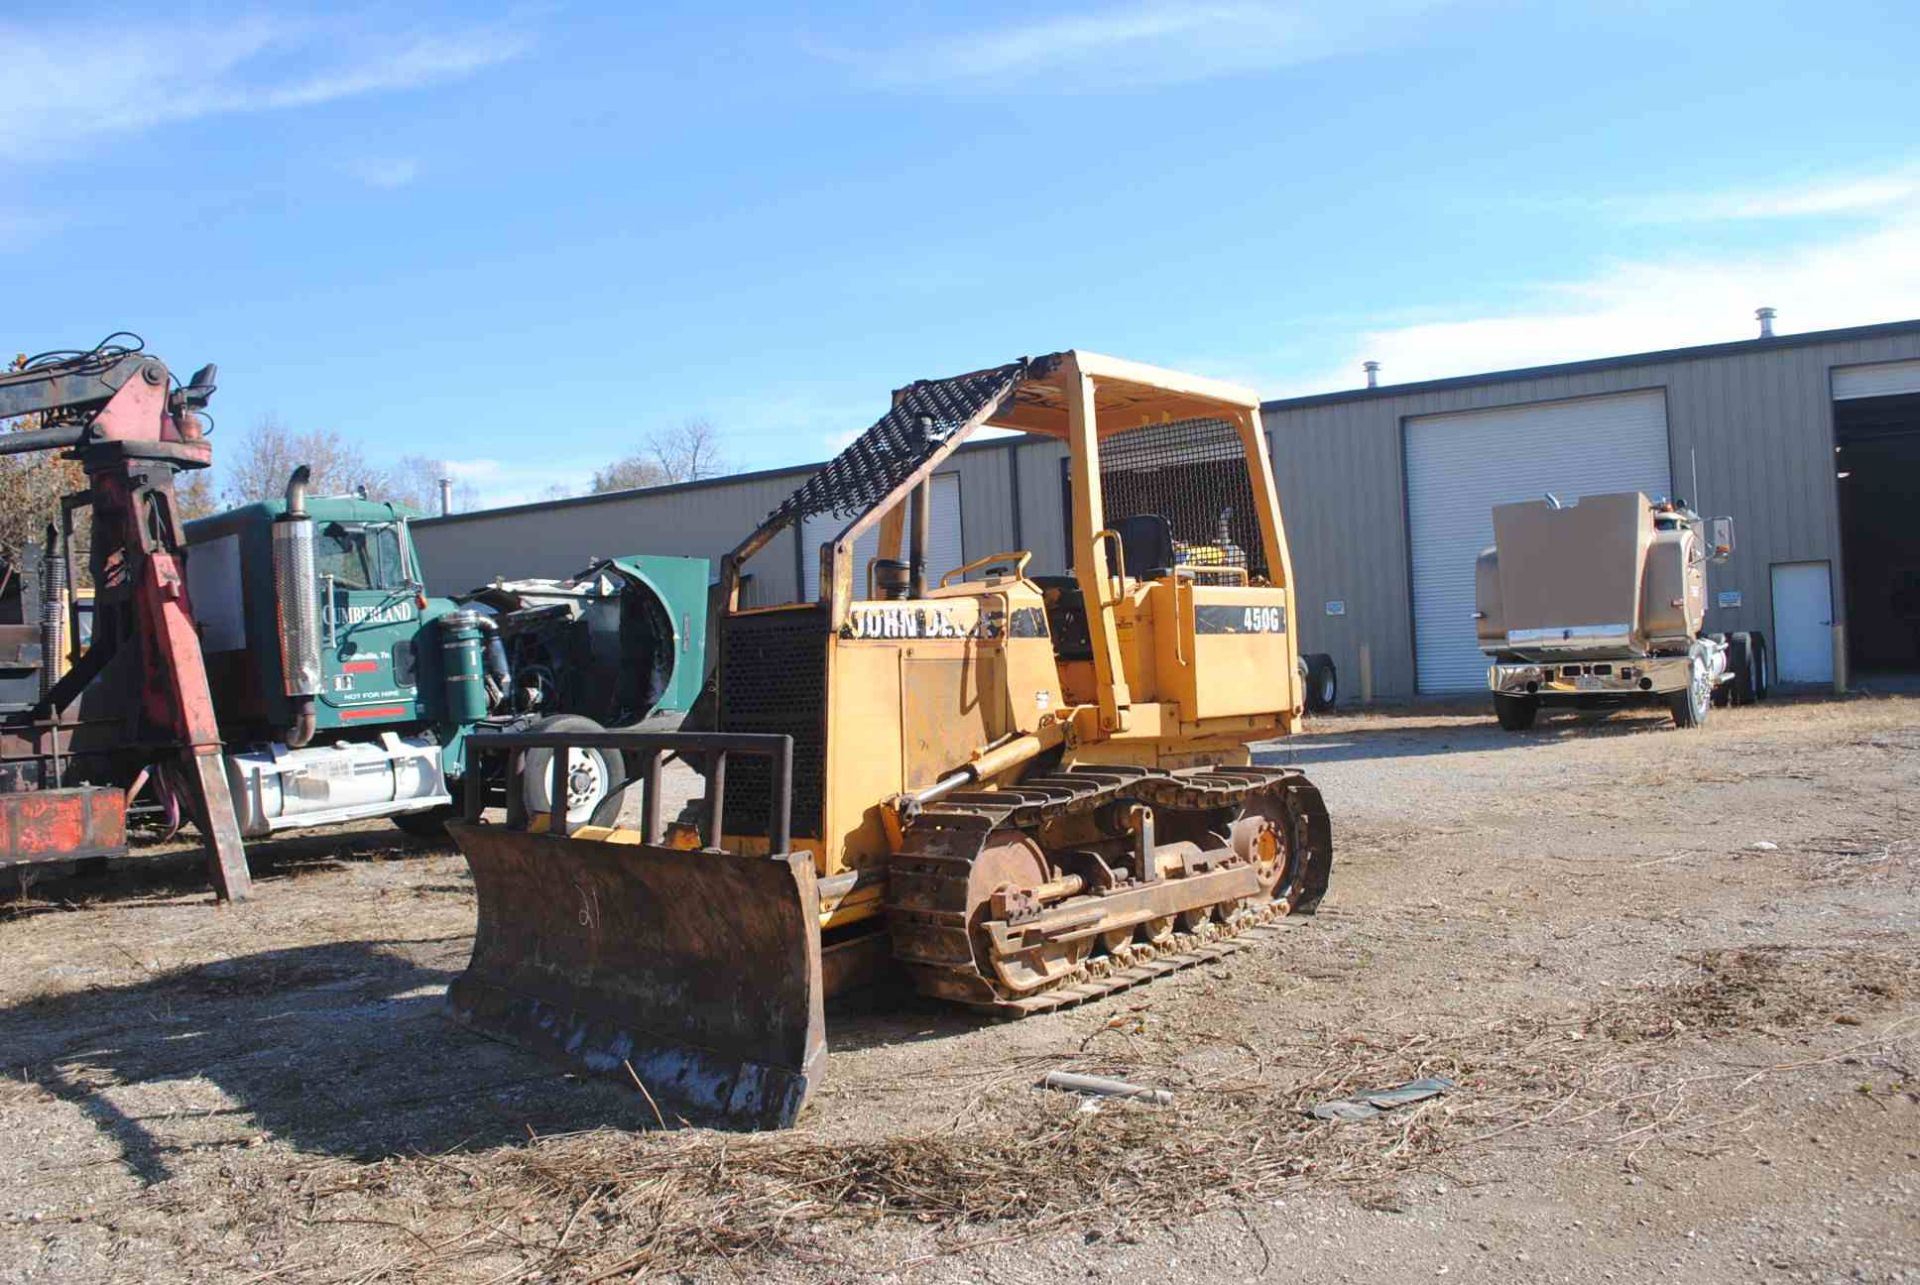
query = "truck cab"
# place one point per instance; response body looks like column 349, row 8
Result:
column 1601, row 602
column 327, row 680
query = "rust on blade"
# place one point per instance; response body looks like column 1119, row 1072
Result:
column 700, row 970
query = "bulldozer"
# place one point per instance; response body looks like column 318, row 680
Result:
column 1016, row 791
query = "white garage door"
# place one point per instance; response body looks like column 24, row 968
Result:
column 1460, row 465
column 942, row 557
column 1882, row 379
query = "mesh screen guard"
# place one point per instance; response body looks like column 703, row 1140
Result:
column 1193, row 473
column 879, row 460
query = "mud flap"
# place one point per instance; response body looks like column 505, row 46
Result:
column 699, row 970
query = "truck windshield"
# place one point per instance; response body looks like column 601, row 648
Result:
column 360, row 557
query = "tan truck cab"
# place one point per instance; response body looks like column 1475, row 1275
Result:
column 1601, row 602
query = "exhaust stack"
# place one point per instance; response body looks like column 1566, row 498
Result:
column 53, row 613
column 296, row 607
column 1765, row 317
column 1373, row 373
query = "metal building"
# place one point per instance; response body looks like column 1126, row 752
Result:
column 1811, row 442
column 1806, row 440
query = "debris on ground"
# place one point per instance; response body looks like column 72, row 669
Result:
column 1100, row 1086
column 1374, row 1102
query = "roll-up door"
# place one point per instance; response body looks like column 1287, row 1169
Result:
column 943, row 555
column 1881, row 379
column 1460, row 465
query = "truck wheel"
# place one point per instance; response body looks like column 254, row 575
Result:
column 1740, row 690
column 593, row 776
column 1516, row 713
column 1690, row 704
column 1322, row 682
column 431, row 824
column 1762, row 668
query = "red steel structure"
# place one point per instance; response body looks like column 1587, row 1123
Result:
column 135, row 706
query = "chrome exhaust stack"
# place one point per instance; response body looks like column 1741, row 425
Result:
column 297, row 607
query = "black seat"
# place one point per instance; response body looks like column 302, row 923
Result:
column 1146, row 542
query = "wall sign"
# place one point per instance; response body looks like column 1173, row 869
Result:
column 1728, row 598
column 1337, row 607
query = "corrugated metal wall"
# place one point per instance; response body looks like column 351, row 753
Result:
column 557, row 539
column 1761, row 422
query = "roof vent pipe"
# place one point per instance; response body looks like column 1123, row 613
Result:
column 446, row 496
column 1373, row 373
column 1766, row 316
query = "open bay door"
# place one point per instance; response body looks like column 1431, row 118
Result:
column 943, row 553
column 1461, row 464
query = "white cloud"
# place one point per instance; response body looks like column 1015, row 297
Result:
column 1150, row 42
column 1816, row 198
column 1641, row 305
column 388, row 173
column 63, row 83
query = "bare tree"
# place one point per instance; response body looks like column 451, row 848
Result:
column 258, row 469
column 31, row 487
column 416, row 482
column 688, row 453
column 193, row 494
column 628, row 474
column 684, row 454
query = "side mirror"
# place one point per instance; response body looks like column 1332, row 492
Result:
column 1722, row 541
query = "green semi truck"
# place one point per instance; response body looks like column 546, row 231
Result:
column 344, row 691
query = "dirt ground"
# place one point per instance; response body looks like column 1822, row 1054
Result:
column 1672, row 975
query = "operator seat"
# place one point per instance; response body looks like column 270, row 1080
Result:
column 1146, row 545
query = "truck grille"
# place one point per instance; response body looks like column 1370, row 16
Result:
column 773, row 678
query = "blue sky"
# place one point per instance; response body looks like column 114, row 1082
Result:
column 519, row 238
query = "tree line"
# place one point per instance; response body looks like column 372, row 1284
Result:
column 256, row 467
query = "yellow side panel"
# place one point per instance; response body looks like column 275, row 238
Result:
column 1225, row 650
column 863, row 750
column 952, row 703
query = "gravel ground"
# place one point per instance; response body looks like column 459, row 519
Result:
column 1673, row 973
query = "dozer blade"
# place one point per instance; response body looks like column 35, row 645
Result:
column 698, row 970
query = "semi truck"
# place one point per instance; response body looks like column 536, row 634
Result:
column 344, row 691
column 1601, row 603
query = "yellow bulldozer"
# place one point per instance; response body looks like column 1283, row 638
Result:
column 1020, row 791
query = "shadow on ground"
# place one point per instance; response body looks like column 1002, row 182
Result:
column 176, row 868
column 1423, row 733
column 342, row 1049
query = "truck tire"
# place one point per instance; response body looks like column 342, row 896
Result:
column 1690, row 704
column 1322, row 682
column 598, row 772
column 1740, row 660
column 1762, row 667
column 1516, row 713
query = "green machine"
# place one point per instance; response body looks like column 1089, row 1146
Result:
column 344, row 691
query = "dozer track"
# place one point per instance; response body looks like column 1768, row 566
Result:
column 1039, row 896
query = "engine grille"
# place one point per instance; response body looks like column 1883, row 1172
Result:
column 773, row 678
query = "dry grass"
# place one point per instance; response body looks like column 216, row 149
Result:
column 606, row 1203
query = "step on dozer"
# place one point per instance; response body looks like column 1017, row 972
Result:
column 1019, row 791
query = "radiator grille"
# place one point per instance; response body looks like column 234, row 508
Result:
column 1192, row 472
column 773, row 678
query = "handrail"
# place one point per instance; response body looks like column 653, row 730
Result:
column 1019, row 557
column 654, row 746
column 1118, row 578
